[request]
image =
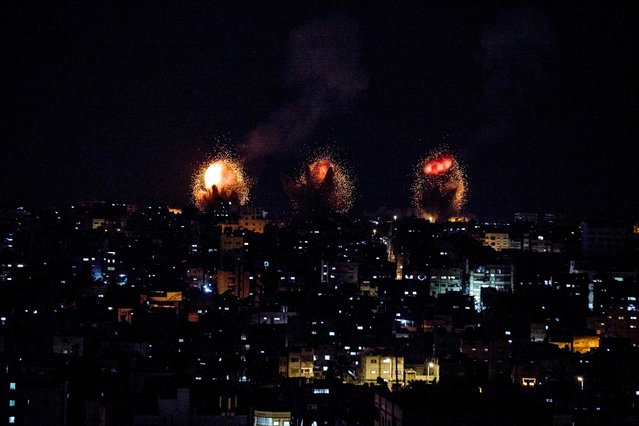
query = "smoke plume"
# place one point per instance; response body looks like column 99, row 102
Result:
column 323, row 66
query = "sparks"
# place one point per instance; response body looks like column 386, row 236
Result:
column 439, row 189
column 324, row 187
column 222, row 178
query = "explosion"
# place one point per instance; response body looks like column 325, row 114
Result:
column 439, row 189
column 324, row 187
column 222, row 179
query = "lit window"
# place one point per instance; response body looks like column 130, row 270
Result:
column 12, row 419
column 12, row 386
column 12, row 403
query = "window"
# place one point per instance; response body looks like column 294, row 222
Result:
column 12, row 419
column 12, row 403
column 12, row 386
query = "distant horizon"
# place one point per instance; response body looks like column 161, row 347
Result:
column 382, row 211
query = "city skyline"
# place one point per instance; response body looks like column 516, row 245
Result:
column 119, row 314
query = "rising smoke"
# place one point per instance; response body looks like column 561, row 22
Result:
column 323, row 65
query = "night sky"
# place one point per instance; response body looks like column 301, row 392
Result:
column 539, row 100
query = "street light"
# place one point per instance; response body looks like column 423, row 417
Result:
column 580, row 379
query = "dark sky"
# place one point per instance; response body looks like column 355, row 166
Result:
column 540, row 100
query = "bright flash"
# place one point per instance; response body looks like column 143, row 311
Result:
column 319, row 169
column 324, row 186
column 222, row 178
column 438, row 165
column 213, row 175
column 221, row 174
column 439, row 189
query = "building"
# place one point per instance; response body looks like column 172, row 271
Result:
column 538, row 243
column 390, row 369
column 231, row 242
column 498, row 241
column 197, row 277
column 578, row 344
column 603, row 239
column 253, row 224
column 236, row 281
column 427, row 371
column 622, row 320
column 160, row 300
column 280, row 317
column 298, row 363
column 68, row 345
column 442, row 322
column 498, row 277
column 271, row 418
column 250, row 219
column 538, row 332
column 339, row 272
column 443, row 280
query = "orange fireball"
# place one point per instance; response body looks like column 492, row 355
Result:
column 222, row 178
column 325, row 187
column 318, row 170
column 439, row 189
column 438, row 165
